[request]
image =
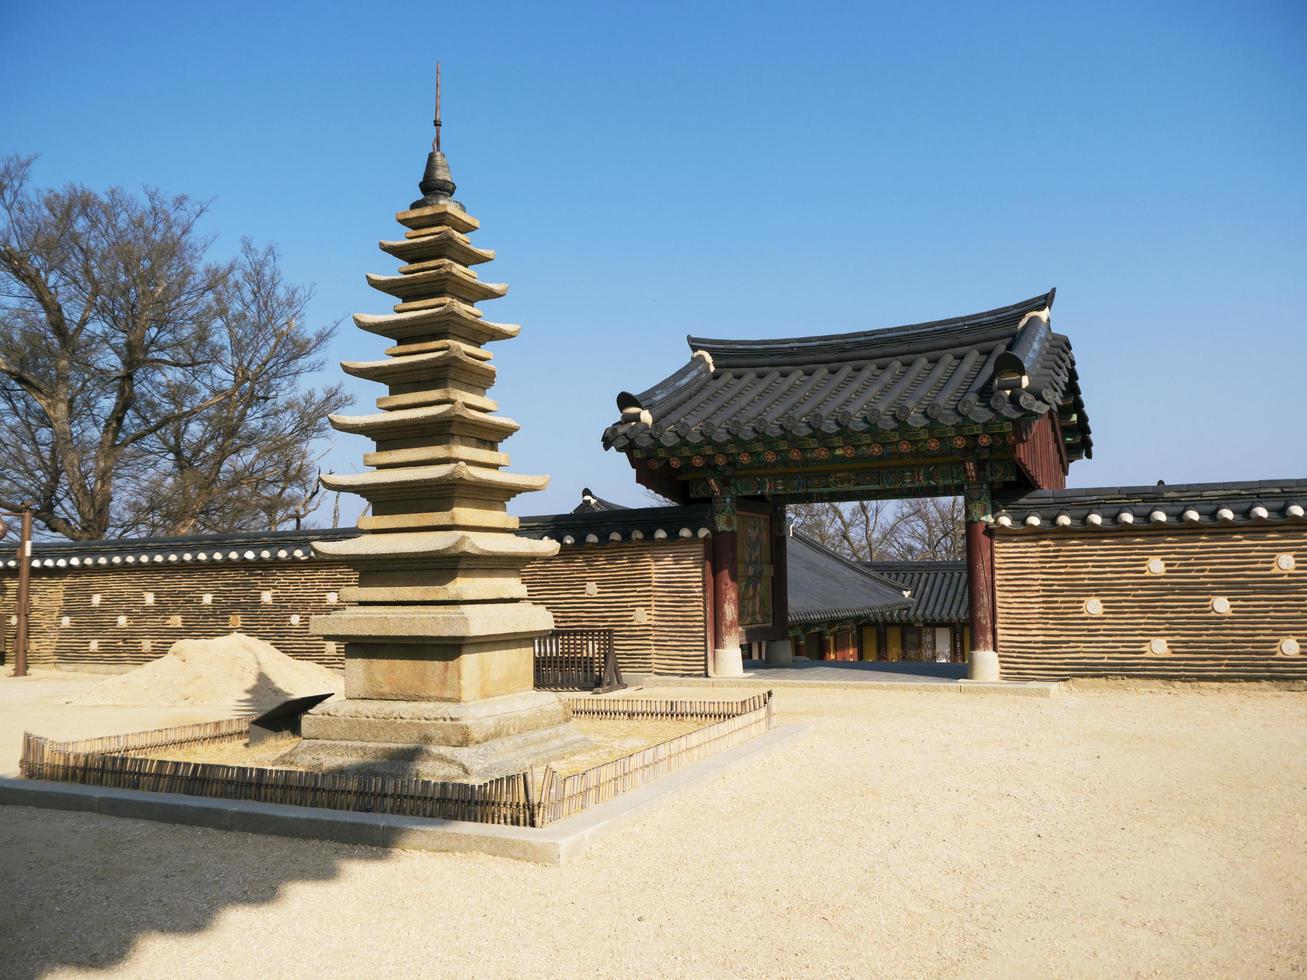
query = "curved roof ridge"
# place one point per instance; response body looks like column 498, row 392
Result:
column 857, row 566
column 850, row 342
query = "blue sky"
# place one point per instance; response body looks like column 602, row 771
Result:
column 651, row 170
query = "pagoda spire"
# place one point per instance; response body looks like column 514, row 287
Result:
column 437, row 183
column 439, row 638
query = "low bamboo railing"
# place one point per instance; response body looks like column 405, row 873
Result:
column 526, row 799
column 577, row 660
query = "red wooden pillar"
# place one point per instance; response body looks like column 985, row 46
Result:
column 982, row 658
column 727, row 658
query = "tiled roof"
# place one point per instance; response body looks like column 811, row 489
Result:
column 824, row 586
column 245, row 546
column 1001, row 364
column 621, row 524
column 1158, row 507
column 591, row 503
column 938, row 588
column 577, row 528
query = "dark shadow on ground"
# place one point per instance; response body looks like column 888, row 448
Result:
column 81, row 889
column 884, row 668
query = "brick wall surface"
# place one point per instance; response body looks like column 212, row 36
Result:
column 115, row 618
column 1153, row 603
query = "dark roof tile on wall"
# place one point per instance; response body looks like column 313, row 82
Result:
column 1001, row 364
column 1156, row 507
column 591, row 503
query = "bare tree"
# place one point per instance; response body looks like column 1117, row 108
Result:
column 930, row 528
column 146, row 389
column 886, row 530
column 857, row 530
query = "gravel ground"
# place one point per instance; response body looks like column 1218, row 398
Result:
column 1102, row 833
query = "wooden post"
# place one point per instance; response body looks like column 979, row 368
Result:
column 780, row 573
column 710, row 605
column 780, row 648
column 982, row 658
column 726, row 592
column 24, row 594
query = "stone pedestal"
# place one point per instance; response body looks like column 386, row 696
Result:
column 780, row 653
column 728, row 662
column 982, row 665
column 437, row 692
column 472, row 740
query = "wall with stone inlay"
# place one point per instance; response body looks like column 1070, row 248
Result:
column 114, row 618
column 117, row 618
column 650, row 595
column 1214, row 602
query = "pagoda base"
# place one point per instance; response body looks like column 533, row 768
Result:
column 437, row 740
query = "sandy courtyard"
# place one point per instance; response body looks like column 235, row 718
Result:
column 1102, row 833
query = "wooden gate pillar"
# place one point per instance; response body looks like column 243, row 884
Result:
column 780, row 651
column 727, row 658
column 982, row 659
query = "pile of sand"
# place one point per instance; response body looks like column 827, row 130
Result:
column 236, row 670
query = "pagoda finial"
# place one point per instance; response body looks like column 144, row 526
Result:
column 435, row 145
column 437, row 184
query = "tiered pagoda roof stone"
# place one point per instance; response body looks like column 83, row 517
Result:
column 438, row 495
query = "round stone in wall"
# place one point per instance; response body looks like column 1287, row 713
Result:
column 1220, row 605
column 1156, row 566
column 1290, row 647
column 640, row 616
column 65, row 621
column 122, row 620
column 294, row 619
column 1094, row 607
column 1285, row 563
column 1158, row 645
column 592, row 588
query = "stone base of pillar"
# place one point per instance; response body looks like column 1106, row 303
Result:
column 439, row 740
column 982, row 665
column 728, row 662
column 780, row 653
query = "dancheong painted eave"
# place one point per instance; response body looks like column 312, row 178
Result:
column 1002, row 365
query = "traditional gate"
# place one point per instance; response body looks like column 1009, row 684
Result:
column 984, row 406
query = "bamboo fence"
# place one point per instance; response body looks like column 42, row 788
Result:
column 525, row 799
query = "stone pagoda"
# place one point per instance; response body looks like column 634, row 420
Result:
column 439, row 639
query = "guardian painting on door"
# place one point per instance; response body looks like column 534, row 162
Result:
column 983, row 406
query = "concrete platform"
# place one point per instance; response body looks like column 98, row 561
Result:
column 862, row 675
column 556, row 844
